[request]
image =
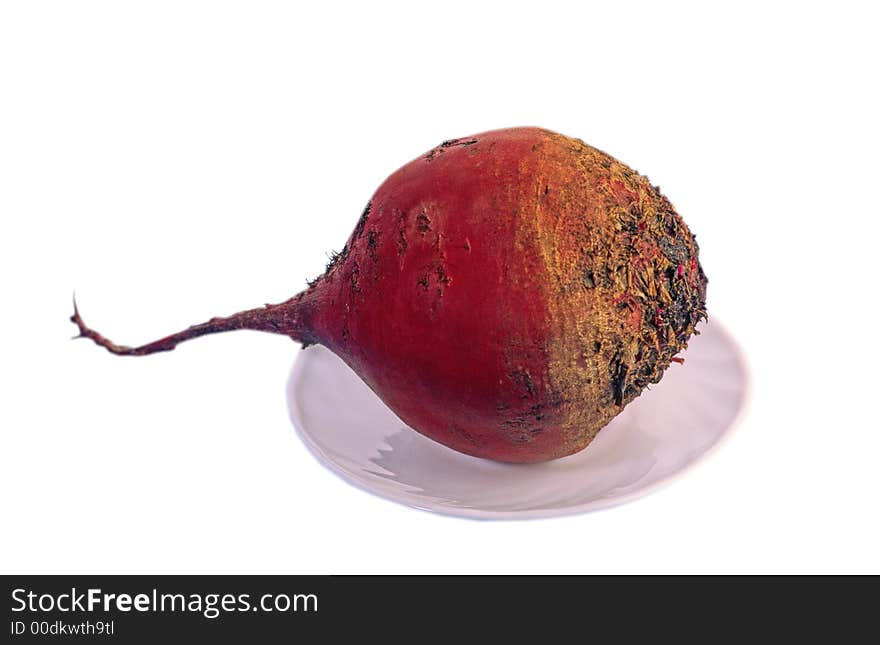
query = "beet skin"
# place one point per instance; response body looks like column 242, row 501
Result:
column 505, row 294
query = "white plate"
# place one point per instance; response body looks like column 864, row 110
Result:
column 662, row 432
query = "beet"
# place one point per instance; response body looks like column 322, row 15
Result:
column 505, row 294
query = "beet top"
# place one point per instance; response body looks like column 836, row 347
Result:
column 506, row 294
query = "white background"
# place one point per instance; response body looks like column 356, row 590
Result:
column 177, row 160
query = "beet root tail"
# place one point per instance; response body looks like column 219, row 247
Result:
column 285, row 318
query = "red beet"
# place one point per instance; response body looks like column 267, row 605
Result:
column 506, row 294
